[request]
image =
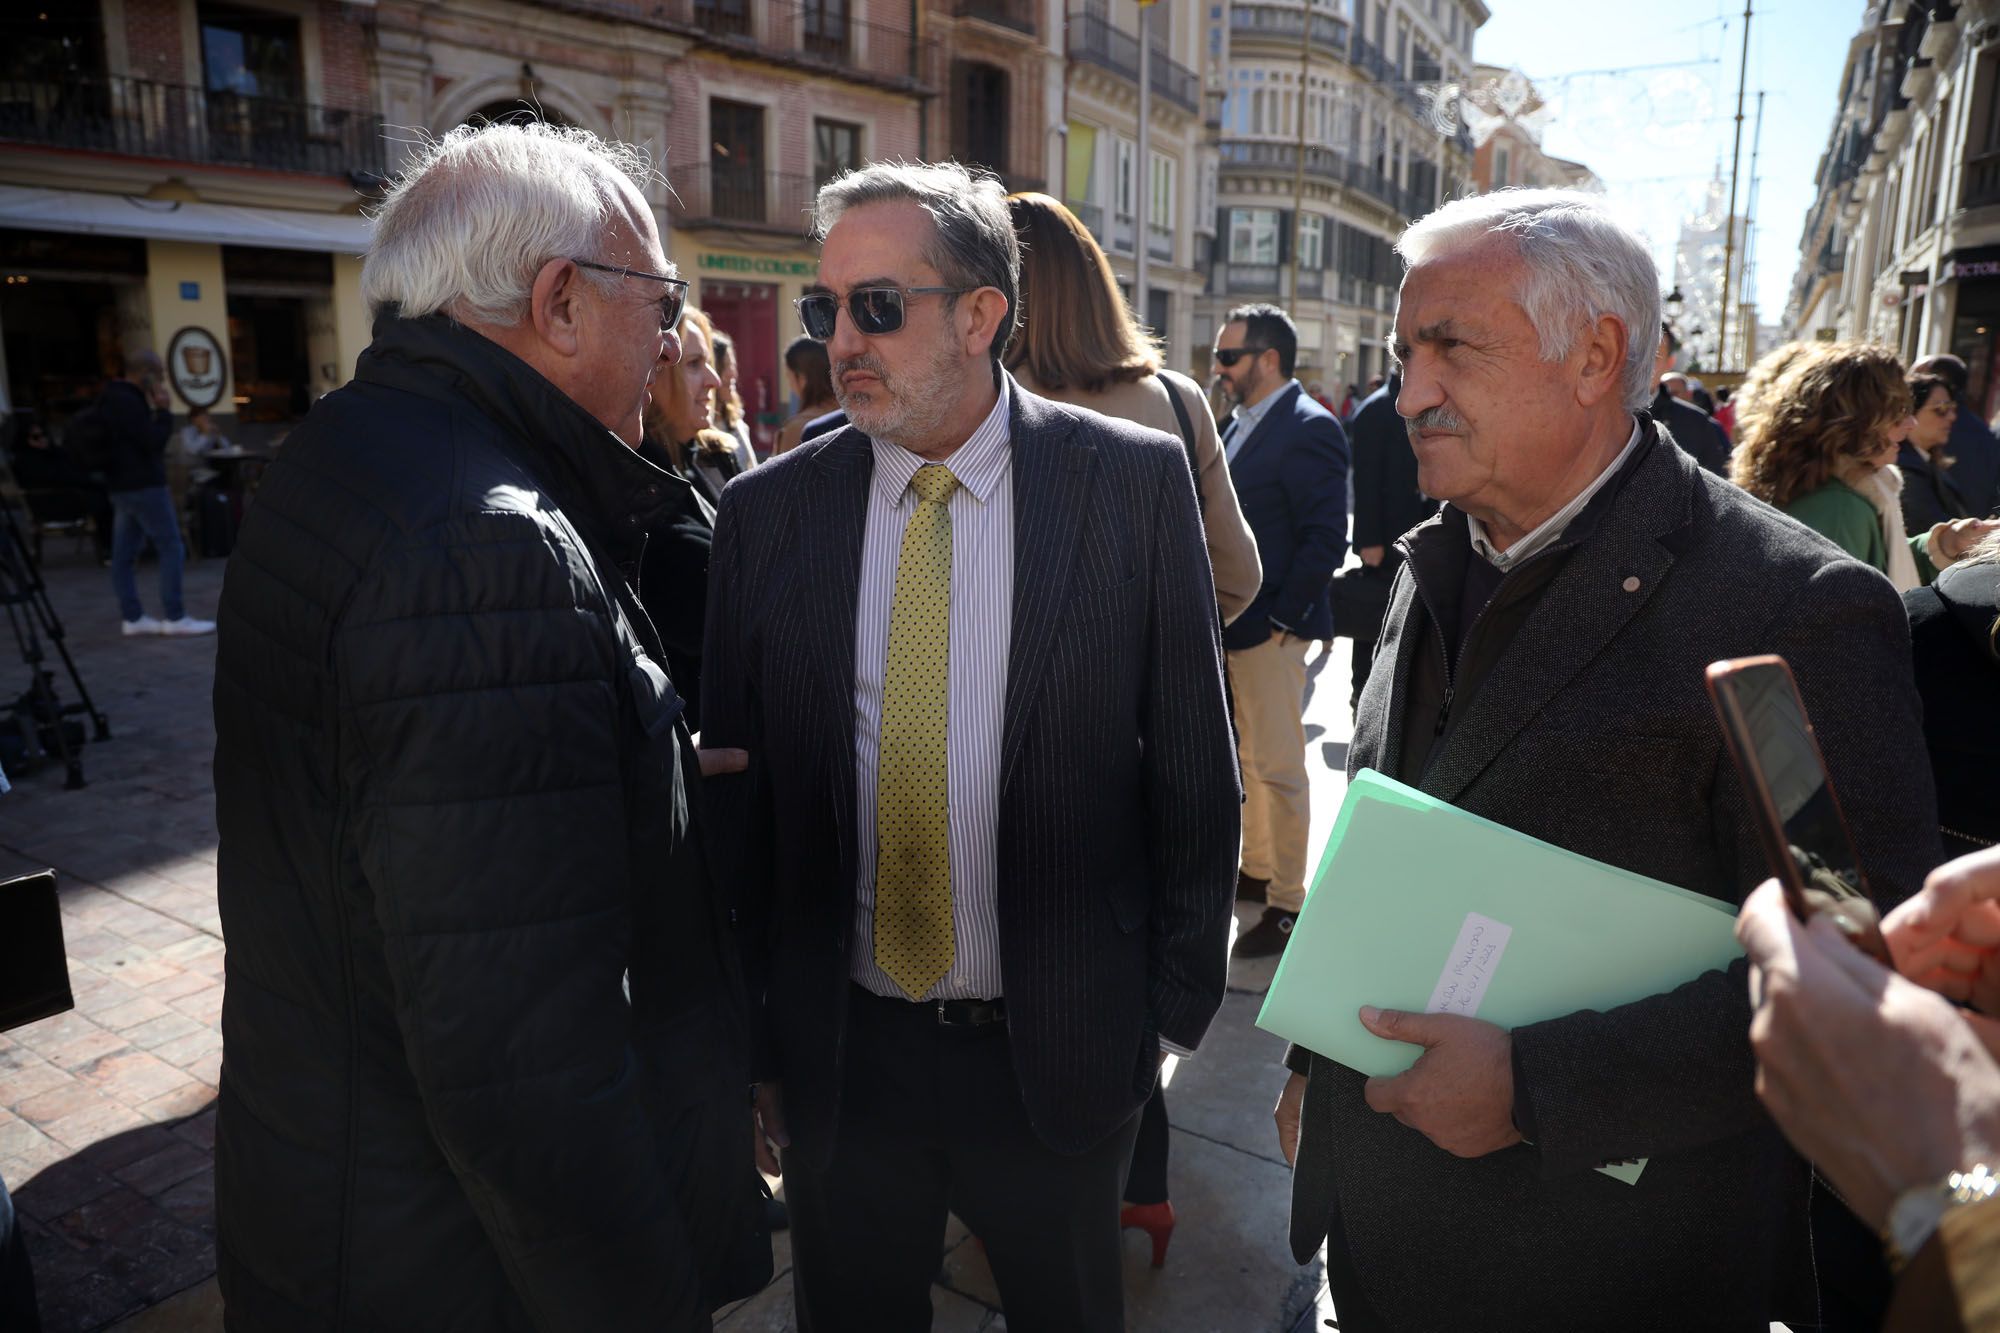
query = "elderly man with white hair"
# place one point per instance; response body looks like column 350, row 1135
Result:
column 484, row 1061
column 1541, row 665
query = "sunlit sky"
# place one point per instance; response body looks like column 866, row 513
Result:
column 1645, row 95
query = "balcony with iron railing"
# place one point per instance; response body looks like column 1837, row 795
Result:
column 1276, row 156
column 1016, row 14
column 141, row 118
column 729, row 194
column 1286, row 24
column 1097, row 42
column 1368, row 58
column 1251, row 279
column 827, row 39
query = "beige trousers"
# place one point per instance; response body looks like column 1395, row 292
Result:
column 1268, row 684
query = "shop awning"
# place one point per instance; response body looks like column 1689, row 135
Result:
column 80, row 211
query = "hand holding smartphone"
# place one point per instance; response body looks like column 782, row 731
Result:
column 1805, row 836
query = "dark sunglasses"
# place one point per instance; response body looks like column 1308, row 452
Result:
column 1229, row 356
column 671, row 305
column 874, row 310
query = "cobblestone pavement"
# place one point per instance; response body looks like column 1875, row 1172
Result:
column 107, row 1117
column 106, row 1112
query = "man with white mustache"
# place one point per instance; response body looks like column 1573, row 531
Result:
column 1541, row 665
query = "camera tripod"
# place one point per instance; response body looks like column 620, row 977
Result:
column 33, row 619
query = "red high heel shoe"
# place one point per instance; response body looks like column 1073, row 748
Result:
column 1156, row 1220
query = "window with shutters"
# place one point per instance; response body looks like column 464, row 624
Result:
column 1253, row 235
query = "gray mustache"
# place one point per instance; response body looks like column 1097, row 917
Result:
column 1433, row 418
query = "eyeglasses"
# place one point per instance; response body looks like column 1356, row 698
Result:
column 671, row 305
column 874, row 310
column 1229, row 356
column 1944, row 410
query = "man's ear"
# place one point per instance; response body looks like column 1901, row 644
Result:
column 1602, row 371
column 556, row 306
column 985, row 308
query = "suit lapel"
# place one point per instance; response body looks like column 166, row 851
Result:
column 831, row 523
column 1608, row 579
column 1052, row 465
column 1281, row 407
column 1378, row 739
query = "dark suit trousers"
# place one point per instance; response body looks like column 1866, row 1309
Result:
column 931, row 1120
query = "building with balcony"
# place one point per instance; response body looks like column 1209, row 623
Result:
column 1001, row 100
column 771, row 101
column 747, row 106
column 1339, row 124
column 187, row 176
column 1902, row 240
column 1161, row 208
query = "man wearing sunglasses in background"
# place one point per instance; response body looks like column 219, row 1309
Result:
column 484, row 1059
column 983, row 850
column 1288, row 458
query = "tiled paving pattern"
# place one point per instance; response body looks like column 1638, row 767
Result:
column 106, row 1112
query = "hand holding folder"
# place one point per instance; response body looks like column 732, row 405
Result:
column 1420, row 906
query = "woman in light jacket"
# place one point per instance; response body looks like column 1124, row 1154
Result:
column 1078, row 343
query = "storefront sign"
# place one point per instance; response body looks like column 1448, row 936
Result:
column 190, row 291
column 196, row 367
column 765, row 264
column 1980, row 262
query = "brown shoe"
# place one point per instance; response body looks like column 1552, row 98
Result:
column 1250, row 889
column 1269, row 936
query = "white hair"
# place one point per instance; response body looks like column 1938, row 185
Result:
column 1582, row 264
column 476, row 216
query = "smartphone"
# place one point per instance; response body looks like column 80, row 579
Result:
column 1805, row 836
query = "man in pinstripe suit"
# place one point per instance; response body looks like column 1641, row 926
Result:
column 984, row 853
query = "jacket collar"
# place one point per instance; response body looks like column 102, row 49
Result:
column 606, row 487
column 1620, row 551
column 1279, row 407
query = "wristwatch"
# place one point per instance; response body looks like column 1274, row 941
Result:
column 1917, row 1212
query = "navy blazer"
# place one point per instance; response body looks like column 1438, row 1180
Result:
column 1291, row 479
column 1119, row 801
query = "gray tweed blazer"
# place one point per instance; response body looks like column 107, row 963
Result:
column 1595, row 732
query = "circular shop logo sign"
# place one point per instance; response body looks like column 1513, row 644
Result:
column 196, row 367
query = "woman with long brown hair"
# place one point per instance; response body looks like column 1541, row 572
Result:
column 1821, row 448
column 1078, row 343
column 678, row 416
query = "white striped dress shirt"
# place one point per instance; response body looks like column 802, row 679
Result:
column 982, row 621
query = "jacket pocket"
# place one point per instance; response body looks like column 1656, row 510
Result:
column 1096, row 603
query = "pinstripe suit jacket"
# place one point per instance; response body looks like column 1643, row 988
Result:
column 1118, row 816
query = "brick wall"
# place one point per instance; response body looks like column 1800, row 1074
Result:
column 153, row 39
column 344, row 74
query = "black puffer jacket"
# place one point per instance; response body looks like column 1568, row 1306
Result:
column 454, row 802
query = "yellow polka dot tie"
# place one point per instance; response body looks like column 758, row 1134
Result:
column 914, row 943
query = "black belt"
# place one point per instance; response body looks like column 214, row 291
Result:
column 950, row 1013
column 970, row 1013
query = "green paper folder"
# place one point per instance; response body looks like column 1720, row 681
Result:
column 1419, row 906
